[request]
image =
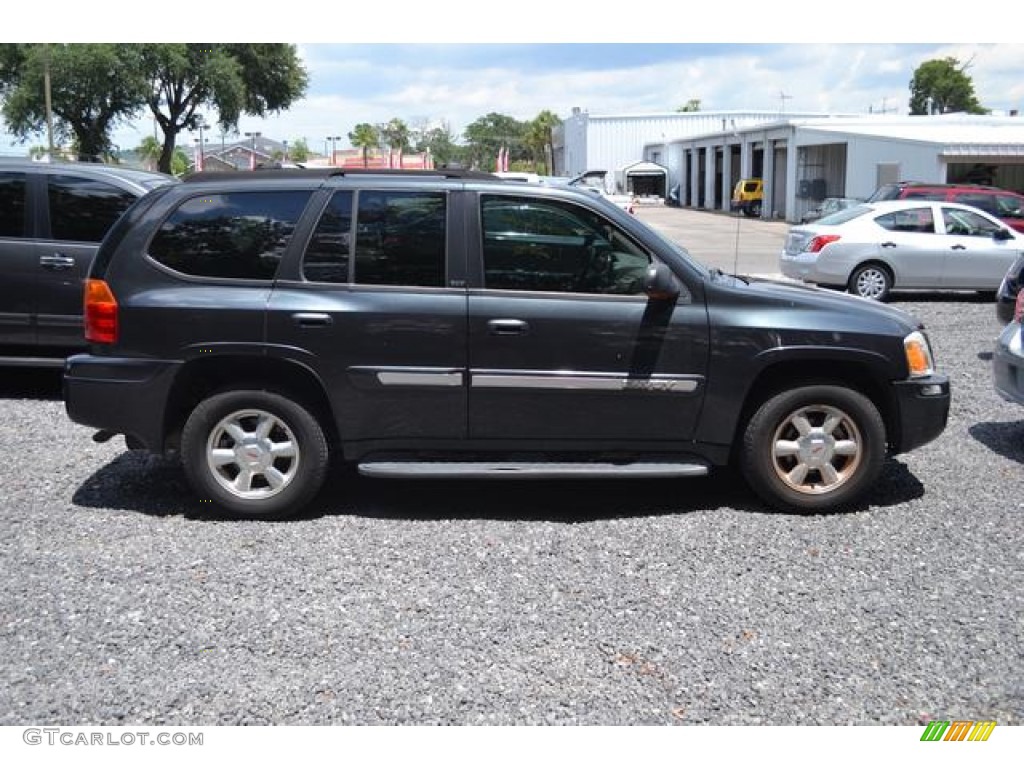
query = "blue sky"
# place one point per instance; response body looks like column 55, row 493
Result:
column 418, row 66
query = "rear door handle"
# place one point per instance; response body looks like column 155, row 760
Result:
column 959, row 247
column 57, row 261
column 507, row 327
column 889, row 244
column 312, row 319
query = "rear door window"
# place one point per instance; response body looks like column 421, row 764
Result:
column 239, row 235
column 12, row 205
column 400, row 238
column 82, row 209
column 909, row 220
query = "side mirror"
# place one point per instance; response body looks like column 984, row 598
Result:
column 1002, row 234
column 661, row 283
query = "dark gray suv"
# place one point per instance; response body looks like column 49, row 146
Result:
column 52, row 219
column 451, row 324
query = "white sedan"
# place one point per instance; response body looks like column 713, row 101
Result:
column 873, row 248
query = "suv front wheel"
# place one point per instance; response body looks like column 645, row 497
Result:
column 813, row 449
column 254, row 453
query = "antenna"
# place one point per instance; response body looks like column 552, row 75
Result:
column 783, row 98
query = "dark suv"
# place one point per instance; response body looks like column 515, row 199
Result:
column 1004, row 205
column 52, row 219
column 451, row 324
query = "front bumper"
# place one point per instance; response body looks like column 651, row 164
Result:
column 923, row 408
column 120, row 395
column 1008, row 364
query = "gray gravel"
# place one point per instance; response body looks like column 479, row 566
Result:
column 460, row 603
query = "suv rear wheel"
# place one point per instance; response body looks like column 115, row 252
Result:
column 813, row 449
column 254, row 453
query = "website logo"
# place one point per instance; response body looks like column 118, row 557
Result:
column 958, row 730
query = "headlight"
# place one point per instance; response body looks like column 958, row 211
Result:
column 919, row 354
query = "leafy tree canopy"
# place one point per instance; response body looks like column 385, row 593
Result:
column 942, row 85
column 693, row 105
column 93, row 87
column 486, row 135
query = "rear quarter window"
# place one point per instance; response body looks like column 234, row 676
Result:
column 12, row 205
column 240, row 235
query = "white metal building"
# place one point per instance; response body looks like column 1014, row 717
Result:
column 612, row 143
column 803, row 160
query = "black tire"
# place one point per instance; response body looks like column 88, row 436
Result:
column 755, row 209
column 870, row 281
column 813, row 449
column 254, row 454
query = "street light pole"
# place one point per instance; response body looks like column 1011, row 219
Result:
column 333, row 139
column 252, row 159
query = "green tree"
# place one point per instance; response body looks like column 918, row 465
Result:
column 299, row 151
column 93, row 87
column 488, row 134
column 943, row 85
column 231, row 79
column 693, row 105
column 365, row 137
column 541, row 141
column 179, row 162
column 440, row 142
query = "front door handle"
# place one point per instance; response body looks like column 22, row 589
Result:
column 57, row 261
column 507, row 327
column 312, row 319
column 889, row 244
column 959, row 247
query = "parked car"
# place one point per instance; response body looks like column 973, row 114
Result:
column 748, row 196
column 52, row 219
column 828, row 206
column 1009, row 290
column 595, row 183
column 1003, row 204
column 452, row 324
column 871, row 249
column 1008, row 357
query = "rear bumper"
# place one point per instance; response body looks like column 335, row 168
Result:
column 120, row 395
column 923, row 406
column 1008, row 364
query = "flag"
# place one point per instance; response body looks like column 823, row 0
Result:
column 199, row 158
column 504, row 158
column 252, row 157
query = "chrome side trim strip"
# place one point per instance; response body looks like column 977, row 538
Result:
column 419, row 379
column 603, row 382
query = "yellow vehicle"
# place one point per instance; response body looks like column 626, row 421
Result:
column 747, row 196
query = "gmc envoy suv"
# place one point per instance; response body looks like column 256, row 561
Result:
column 453, row 324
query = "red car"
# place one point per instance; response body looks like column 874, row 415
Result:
column 1005, row 205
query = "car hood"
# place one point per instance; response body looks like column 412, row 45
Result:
column 798, row 296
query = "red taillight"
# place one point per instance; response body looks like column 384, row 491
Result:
column 100, row 313
column 820, row 242
column 1018, row 308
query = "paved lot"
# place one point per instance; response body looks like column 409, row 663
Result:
column 508, row 603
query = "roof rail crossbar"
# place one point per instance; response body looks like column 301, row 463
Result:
column 325, row 173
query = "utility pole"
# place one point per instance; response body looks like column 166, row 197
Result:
column 49, row 102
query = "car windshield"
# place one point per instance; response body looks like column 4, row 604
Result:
column 845, row 215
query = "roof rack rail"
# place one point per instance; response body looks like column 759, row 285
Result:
column 325, row 173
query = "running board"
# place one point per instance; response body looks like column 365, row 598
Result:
column 485, row 470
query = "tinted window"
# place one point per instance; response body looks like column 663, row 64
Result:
column 961, row 222
column 400, row 238
column 12, row 204
column 82, row 210
column 841, row 217
column 1008, row 205
column 978, row 200
column 327, row 256
column 543, row 245
column 240, row 235
column 910, row 220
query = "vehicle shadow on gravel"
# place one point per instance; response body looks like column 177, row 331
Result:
column 150, row 485
column 32, row 384
column 1005, row 438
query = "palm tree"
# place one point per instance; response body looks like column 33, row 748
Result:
column 540, row 136
column 396, row 135
column 149, row 151
column 365, row 137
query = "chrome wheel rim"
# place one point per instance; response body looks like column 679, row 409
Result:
column 816, row 449
column 252, row 454
column 871, row 283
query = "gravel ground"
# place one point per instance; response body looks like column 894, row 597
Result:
column 517, row 603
